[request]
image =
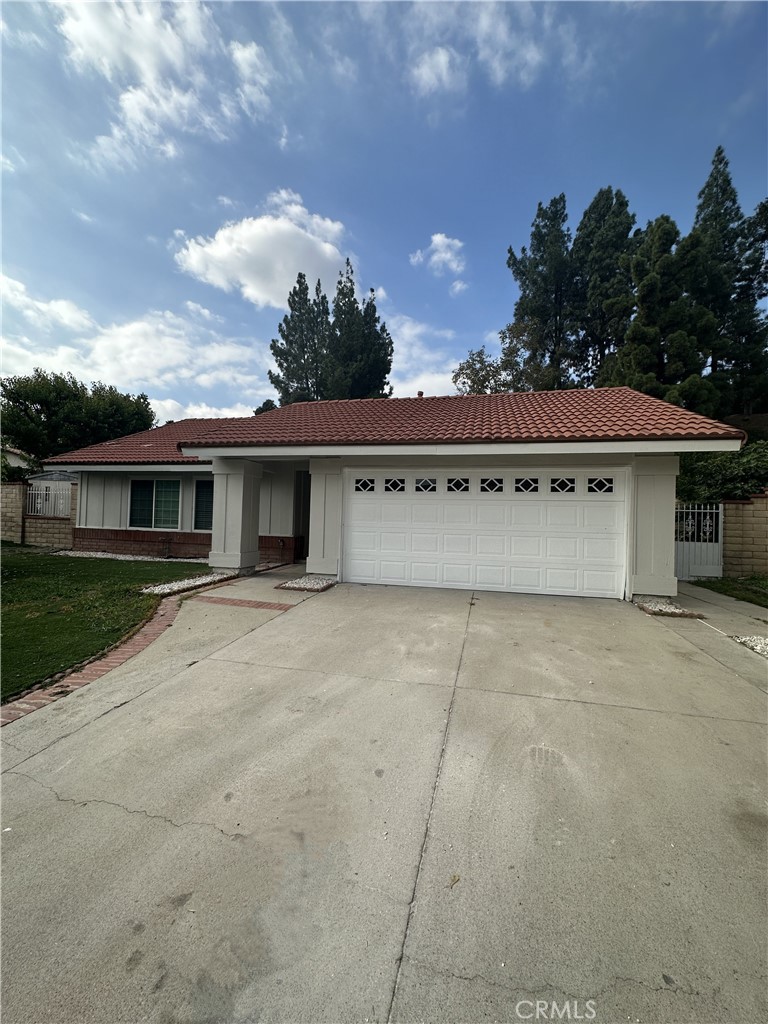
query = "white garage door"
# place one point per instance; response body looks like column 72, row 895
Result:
column 541, row 532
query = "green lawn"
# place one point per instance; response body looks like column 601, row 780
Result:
column 750, row 588
column 58, row 611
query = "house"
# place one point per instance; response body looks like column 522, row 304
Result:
column 568, row 492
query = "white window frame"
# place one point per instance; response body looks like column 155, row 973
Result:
column 154, row 480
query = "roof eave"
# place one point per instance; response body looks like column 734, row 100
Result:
column 587, row 447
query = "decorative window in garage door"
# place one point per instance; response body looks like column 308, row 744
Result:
column 527, row 484
column 458, row 484
column 599, row 485
column 562, row 485
column 365, row 484
column 491, row 484
column 394, row 485
column 426, row 485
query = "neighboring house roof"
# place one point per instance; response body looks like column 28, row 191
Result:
column 604, row 414
column 158, row 445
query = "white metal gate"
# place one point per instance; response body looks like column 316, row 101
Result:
column 698, row 541
column 51, row 499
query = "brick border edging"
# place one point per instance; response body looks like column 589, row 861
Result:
column 141, row 636
column 96, row 667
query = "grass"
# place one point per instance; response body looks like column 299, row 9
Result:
column 749, row 588
column 58, row 611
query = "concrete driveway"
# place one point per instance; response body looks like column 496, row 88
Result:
column 394, row 804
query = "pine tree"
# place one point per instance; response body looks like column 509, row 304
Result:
column 665, row 346
column 601, row 297
column 300, row 353
column 726, row 272
column 360, row 347
column 544, row 275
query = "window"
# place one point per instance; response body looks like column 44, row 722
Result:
column 394, row 484
column 491, row 484
column 365, row 484
column 458, row 484
column 203, row 505
column 154, row 504
column 426, row 485
column 527, row 484
column 599, row 485
column 562, row 485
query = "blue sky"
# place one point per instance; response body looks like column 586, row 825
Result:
column 168, row 169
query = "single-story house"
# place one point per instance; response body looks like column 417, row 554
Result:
column 567, row 492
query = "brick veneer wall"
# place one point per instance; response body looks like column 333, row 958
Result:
column 170, row 543
column 13, row 499
column 159, row 543
column 745, row 536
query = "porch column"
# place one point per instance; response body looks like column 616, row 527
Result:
column 324, row 516
column 235, row 534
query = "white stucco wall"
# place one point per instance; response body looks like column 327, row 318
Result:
column 276, row 502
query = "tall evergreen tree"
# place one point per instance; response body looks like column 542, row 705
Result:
column 601, row 300
column 360, row 347
column 725, row 271
column 300, row 353
column 665, row 347
column 544, row 275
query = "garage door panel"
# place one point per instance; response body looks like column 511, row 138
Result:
column 394, row 542
column 562, row 514
column 491, row 544
column 525, row 546
column 531, row 541
column 602, row 515
column 457, row 544
column 492, row 515
column 563, row 547
column 526, row 515
column 601, row 549
column 425, row 543
column 394, row 571
column 564, row 581
column 425, row 572
column 457, row 574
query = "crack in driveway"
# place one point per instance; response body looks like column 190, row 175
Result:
column 128, row 810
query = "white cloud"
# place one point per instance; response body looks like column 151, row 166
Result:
column 156, row 352
column 7, row 165
column 169, row 409
column 381, row 293
column 205, row 314
column 443, row 254
column 84, row 217
column 225, row 201
column 421, row 361
column 457, row 288
column 261, row 256
column 21, row 38
column 44, row 315
column 438, row 70
column 255, row 74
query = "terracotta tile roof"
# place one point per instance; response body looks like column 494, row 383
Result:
column 160, row 444
column 609, row 414
column 605, row 414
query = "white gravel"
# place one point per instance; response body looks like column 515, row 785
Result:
column 176, row 586
column 758, row 644
column 313, row 583
column 127, row 558
column 662, row 606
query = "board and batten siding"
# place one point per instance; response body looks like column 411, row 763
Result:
column 105, row 496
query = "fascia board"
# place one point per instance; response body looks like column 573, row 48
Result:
column 466, row 450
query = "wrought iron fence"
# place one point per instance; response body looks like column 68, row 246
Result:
column 698, row 541
column 49, row 499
